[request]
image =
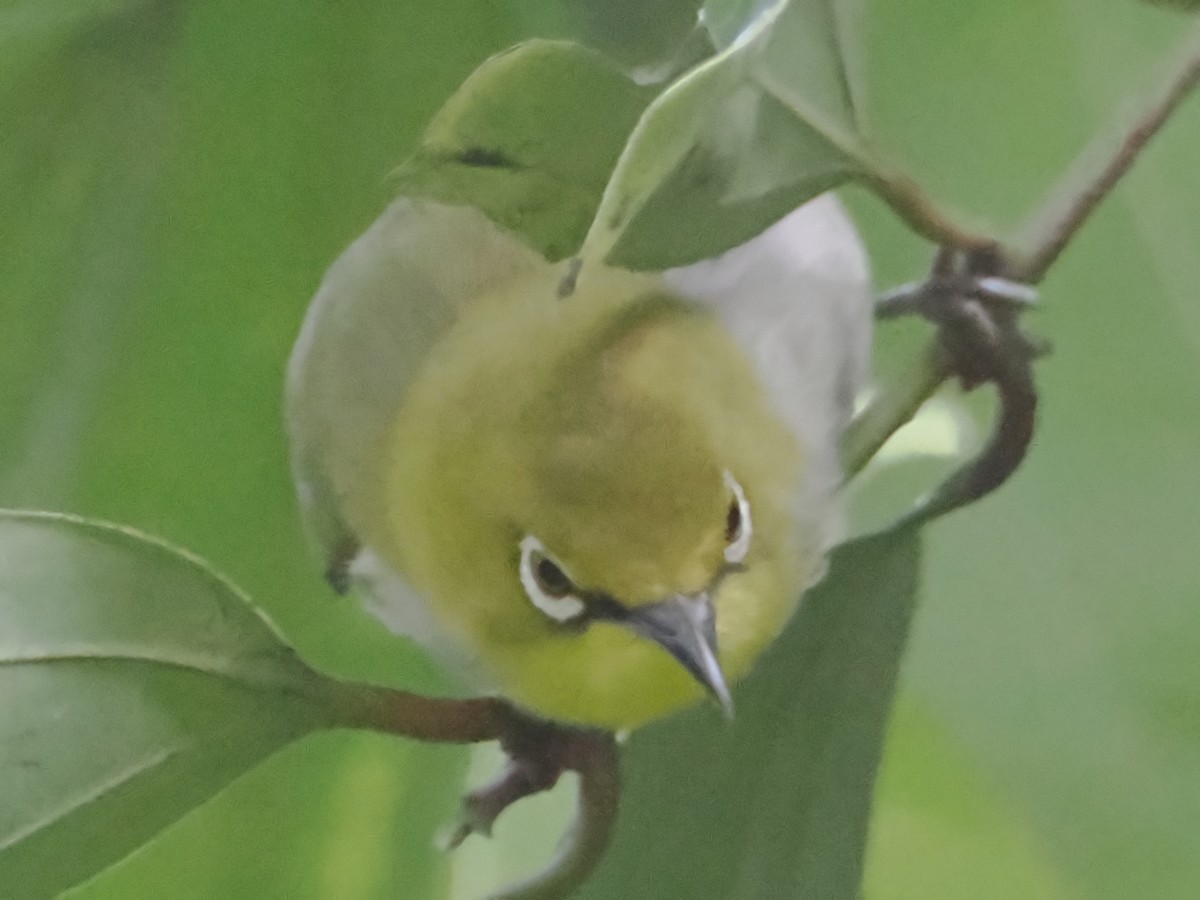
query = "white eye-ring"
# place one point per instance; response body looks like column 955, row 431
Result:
column 547, row 583
column 738, row 527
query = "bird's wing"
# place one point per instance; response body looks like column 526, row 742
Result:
column 797, row 298
column 381, row 307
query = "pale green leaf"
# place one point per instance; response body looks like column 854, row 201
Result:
column 813, row 60
column 670, row 128
column 718, row 198
column 745, row 137
column 135, row 683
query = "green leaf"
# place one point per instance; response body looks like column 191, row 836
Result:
column 530, row 138
column 776, row 803
column 537, row 138
column 136, row 683
column 813, row 56
column 745, row 137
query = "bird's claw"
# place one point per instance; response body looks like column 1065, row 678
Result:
column 538, row 755
column 976, row 311
column 482, row 807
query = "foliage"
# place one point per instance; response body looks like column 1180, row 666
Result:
column 135, row 684
column 174, row 181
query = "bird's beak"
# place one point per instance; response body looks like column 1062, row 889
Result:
column 685, row 625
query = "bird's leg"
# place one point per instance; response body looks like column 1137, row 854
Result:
column 539, row 753
column 976, row 311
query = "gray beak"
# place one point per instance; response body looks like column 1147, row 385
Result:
column 685, row 626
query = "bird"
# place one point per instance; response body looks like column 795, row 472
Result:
column 602, row 507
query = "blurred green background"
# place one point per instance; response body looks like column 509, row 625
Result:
column 175, row 177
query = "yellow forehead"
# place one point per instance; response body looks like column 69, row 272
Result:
column 635, row 518
column 626, row 481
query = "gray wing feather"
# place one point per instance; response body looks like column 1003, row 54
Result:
column 381, row 307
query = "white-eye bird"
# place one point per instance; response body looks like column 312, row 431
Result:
column 602, row 506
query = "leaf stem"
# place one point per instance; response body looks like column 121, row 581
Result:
column 1011, row 371
column 433, row 719
column 922, row 214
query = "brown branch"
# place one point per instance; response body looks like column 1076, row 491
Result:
column 1098, row 169
column 433, row 719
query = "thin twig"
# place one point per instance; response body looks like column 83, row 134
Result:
column 1098, row 169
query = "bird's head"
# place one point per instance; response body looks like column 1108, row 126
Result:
column 610, row 530
column 658, row 585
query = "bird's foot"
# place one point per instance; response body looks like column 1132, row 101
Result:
column 538, row 755
column 976, row 310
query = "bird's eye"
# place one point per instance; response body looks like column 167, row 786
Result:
column 737, row 523
column 550, row 578
column 733, row 521
column 546, row 582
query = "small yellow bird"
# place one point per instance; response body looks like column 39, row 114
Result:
column 600, row 506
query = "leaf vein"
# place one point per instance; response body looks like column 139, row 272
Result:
column 206, row 665
column 130, row 774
